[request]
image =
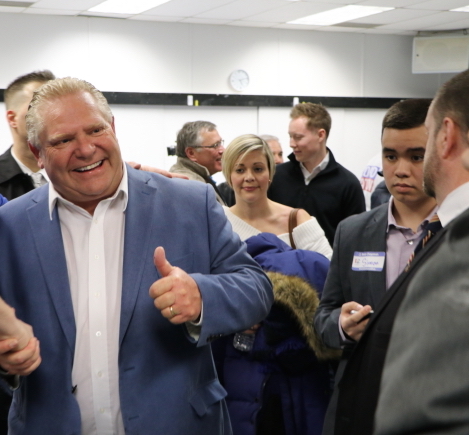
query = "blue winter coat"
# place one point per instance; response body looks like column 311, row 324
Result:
column 286, row 372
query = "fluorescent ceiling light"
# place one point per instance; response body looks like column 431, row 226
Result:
column 130, row 7
column 339, row 15
column 463, row 9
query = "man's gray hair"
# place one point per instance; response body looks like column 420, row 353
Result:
column 189, row 135
column 53, row 90
column 269, row 137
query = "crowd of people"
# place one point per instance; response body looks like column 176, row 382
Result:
column 135, row 300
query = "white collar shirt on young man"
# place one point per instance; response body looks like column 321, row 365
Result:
column 94, row 253
column 454, row 204
column 310, row 175
column 400, row 244
column 39, row 178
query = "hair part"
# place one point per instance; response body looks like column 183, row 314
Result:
column 239, row 148
column 406, row 114
column 190, row 135
column 20, row 82
column 55, row 89
column 316, row 114
column 452, row 100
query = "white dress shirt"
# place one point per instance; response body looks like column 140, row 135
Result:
column 39, row 178
column 310, row 175
column 454, row 204
column 94, row 253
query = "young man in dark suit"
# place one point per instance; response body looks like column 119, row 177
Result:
column 446, row 179
column 371, row 249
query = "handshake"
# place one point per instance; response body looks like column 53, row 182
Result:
column 19, row 349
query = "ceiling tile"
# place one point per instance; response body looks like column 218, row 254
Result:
column 104, row 15
column 186, row 8
column 425, row 22
column 291, row 12
column 38, row 11
column 11, row 9
column 75, row 5
column 389, row 3
column 453, row 25
column 440, row 5
column 394, row 16
column 242, row 9
column 142, row 17
column 243, row 23
column 197, row 20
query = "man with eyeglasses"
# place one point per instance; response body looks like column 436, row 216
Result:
column 199, row 148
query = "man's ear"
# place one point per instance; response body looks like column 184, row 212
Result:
column 37, row 154
column 322, row 134
column 450, row 137
column 11, row 118
column 191, row 154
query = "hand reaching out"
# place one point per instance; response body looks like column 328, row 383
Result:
column 19, row 349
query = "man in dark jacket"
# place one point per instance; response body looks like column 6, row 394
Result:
column 19, row 172
column 312, row 179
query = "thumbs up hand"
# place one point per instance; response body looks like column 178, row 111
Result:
column 175, row 294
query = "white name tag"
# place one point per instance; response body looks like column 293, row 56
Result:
column 368, row 261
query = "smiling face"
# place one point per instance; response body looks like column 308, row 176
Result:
column 79, row 150
column 250, row 177
column 208, row 157
column 308, row 145
column 403, row 154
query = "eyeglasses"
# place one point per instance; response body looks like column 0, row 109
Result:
column 215, row 146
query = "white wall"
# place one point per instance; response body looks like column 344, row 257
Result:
column 137, row 56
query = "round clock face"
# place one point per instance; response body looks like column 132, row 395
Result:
column 239, row 79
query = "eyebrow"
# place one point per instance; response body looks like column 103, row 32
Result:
column 409, row 150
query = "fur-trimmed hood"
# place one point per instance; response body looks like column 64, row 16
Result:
column 301, row 300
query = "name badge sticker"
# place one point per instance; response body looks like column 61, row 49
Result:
column 368, row 261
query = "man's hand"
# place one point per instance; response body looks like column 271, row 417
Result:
column 156, row 170
column 19, row 350
column 176, row 294
column 353, row 324
column 19, row 362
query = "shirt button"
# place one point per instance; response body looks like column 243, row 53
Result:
column 100, row 374
column 410, row 242
column 96, row 257
column 101, row 410
column 98, row 334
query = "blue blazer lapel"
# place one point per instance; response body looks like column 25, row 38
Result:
column 140, row 216
column 50, row 252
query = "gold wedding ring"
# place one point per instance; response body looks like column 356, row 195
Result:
column 172, row 311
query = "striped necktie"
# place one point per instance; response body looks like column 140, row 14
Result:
column 433, row 226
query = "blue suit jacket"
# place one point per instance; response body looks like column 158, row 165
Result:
column 167, row 382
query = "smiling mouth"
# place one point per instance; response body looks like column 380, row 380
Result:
column 89, row 167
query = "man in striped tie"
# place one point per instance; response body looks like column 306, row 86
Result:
column 446, row 179
column 425, row 387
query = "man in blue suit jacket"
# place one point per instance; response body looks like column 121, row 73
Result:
column 123, row 328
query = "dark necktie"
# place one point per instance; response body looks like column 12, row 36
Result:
column 433, row 226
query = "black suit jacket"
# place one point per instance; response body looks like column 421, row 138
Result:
column 13, row 181
column 360, row 383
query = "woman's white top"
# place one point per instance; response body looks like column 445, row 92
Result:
column 309, row 235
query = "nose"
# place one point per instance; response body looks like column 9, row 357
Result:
column 292, row 143
column 402, row 169
column 248, row 175
column 84, row 147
